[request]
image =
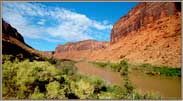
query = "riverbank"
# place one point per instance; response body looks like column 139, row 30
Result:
column 168, row 87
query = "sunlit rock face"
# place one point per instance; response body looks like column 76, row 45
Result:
column 141, row 15
column 149, row 33
column 81, row 45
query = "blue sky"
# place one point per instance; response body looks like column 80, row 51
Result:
column 44, row 25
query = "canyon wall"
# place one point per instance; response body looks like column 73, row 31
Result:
column 13, row 44
column 158, row 43
column 9, row 30
column 141, row 15
column 149, row 33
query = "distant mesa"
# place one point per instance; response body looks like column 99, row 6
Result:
column 81, row 45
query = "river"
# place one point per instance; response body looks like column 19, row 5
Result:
column 166, row 87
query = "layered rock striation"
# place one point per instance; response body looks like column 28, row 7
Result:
column 149, row 33
column 81, row 45
column 141, row 15
column 79, row 50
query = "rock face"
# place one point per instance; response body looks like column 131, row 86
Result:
column 79, row 50
column 9, row 30
column 82, row 45
column 13, row 44
column 149, row 33
column 158, row 43
column 141, row 15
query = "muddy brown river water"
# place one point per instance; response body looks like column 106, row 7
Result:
column 166, row 87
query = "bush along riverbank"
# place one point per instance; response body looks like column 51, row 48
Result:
column 146, row 68
column 60, row 80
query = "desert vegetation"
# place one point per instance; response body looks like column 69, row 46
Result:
column 24, row 79
column 161, row 70
column 149, row 33
column 145, row 68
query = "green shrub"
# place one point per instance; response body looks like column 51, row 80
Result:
column 37, row 94
column 147, row 96
column 112, row 92
column 162, row 70
column 9, row 80
column 8, row 58
column 123, row 67
column 101, row 64
column 83, row 89
column 128, row 87
column 54, row 91
column 117, row 67
column 66, row 66
column 21, row 78
column 151, row 96
column 41, row 80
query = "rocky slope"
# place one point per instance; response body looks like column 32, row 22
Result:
column 9, row 30
column 149, row 33
column 13, row 44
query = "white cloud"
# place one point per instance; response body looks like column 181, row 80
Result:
column 41, row 22
column 101, row 26
column 69, row 32
column 71, row 26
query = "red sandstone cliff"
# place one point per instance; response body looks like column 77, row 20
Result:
column 158, row 43
column 82, row 45
column 141, row 15
column 65, row 51
column 149, row 33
